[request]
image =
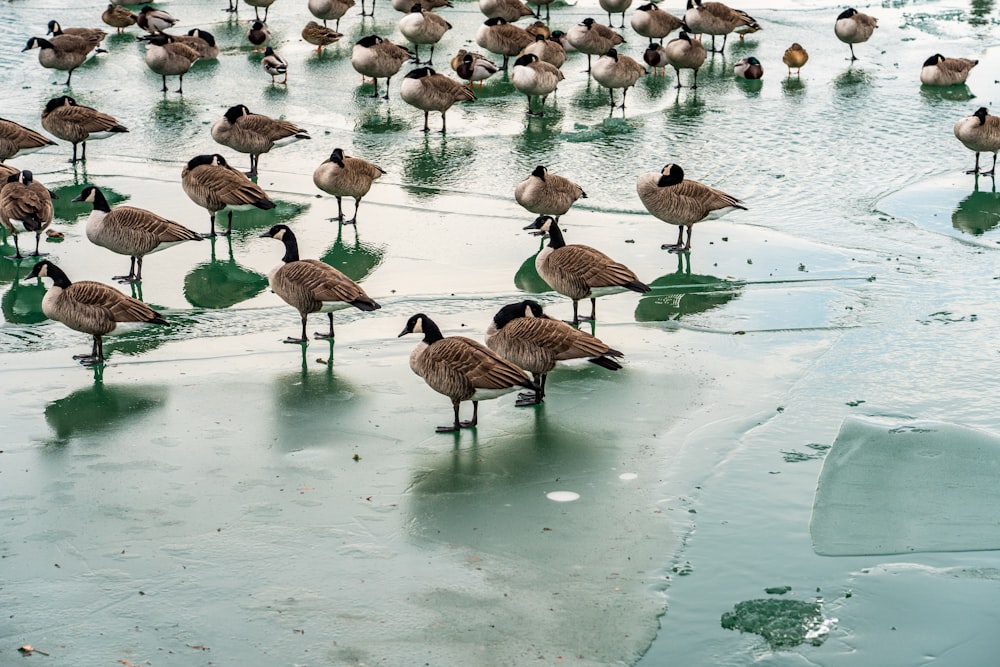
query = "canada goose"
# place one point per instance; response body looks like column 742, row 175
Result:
column 535, row 78
column 330, row 10
column 423, row 27
column 257, row 4
column 795, row 56
column 75, row 123
column 168, row 57
column 748, row 68
column 16, row 139
column 254, row 133
column 592, row 38
column 154, row 20
column 651, row 22
column 132, row 231
column 461, row 369
column 405, row 6
column 523, row 334
column 543, row 193
column 92, row 35
column 119, row 17
column 539, row 28
column 343, row 176
column 941, row 71
column 579, row 271
column 656, row 57
column 853, row 27
column 312, row 286
column 617, row 71
column 258, row 36
column 378, row 58
column 980, row 132
column 201, row 41
column 615, row 7
column 497, row 36
column 274, row 65
column 429, row 91
column 548, row 49
column 715, row 18
column 685, row 53
column 215, row 186
column 474, row 69
column 509, row 10
column 671, row 198
column 319, row 36
column 91, row 308
column 25, row 206
column 6, row 171
column 64, row 52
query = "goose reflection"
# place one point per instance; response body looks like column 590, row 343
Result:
column 540, row 137
column 527, row 279
column 429, row 169
column 222, row 283
column 100, row 409
column 957, row 93
column 979, row 12
column 357, row 260
column 979, row 212
column 682, row 294
column 793, row 87
column 22, row 303
column 248, row 224
column 69, row 211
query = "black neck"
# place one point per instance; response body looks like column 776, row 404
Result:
column 58, row 276
column 556, row 239
column 432, row 333
column 100, row 203
column 291, row 247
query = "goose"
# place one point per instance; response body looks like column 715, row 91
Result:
column 548, row 49
column 795, row 57
column 25, row 206
column 132, row 231
column 748, row 68
column 63, row 52
column 613, row 70
column 16, row 140
column 615, row 7
column 509, row 10
column 429, row 91
column 330, row 10
column 423, row 27
column 651, row 22
column 211, row 183
column 168, row 57
column 535, row 78
column 6, row 171
column 343, row 176
column 579, row 271
column 378, row 58
column 980, row 132
column 671, row 198
column 941, row 71
column 656, row 57
column 201, row 41
column 274, row 65
column 91, row 307
column 523, row 334
column 716, row 18
column 312, row 286
column 405, row 6
column 258, row 36
column 685, row 53
column 498, row 36
column 540, row 4
column 319, row 36
column 543, row 193
column 853, row 27
column 461, row 369
column 257, row 4
column 92, row 35
column 119, row 17
column 539, row 28
column 69, row 121
column 154, row 20
column 592, row 38
column 254, row 133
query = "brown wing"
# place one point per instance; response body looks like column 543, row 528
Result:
column 18, row 202
column 88, row 119
column 448, row 88
column 158, row 227
column 94, row 308
column 584, row 265
column 481, row 367
column 560, row 339
column 364, row 167
column 698, row 195
column 957, row 65
column 183, row 50
column 272, row 128
column 321, row 281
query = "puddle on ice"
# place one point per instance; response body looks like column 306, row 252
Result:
column 562, row 496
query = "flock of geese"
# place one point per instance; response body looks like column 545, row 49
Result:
column 523, row 344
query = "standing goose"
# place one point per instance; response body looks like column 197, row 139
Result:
column 615, row 7
column 498, row 36
column 319, row 36
column 548, row 49
column 429, row 91
column 749, row 68
column 119, row 17
column 980, row 132
column 330, row 10
column 132, row 231
column 592, row 38
column 685, row 53
column 795, row 57
column 853, row 27
column 540, row 4
column 543, row 193
column 715, row 18
column 941, row 71
column 461, row 369
column 535, row 78
column 617, row 71
column 215, row 186
column 378, row 58
column 254, row 133
column 257, row 4
column 343, row 176
column 92, row 35
column 655, row 56
column 423, row 27
column 474, row 67
column 168, row 57
column 312, row 286
column 25, row 206
column 16, row 139
column 668, row 196
column 154, row 20
column 510, row 11
column 258, row 36
column 65, row 52
column 523, row 334
column 91, row 308
column 274, row 65
column 75, row 123
column 201, row 41
column 651, row 22
column 579, row 271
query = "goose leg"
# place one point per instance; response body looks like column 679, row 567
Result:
column 430, row 59
column 68, row 78
column 83, row 157
column 974, row 170
column 593, row 310
column 319, row 335
column 680, row 240
column 38, row 238
column 253, row 165
column 457, row 425
column 993, row 169
column 340, row 212
column 229, row 228
column 853, row 57
column 164, row 89
column 354, row 220
column 303, row 338
column 695, row 84
column 475, row 416
column 17, row 250
column 576, row 316
column 678, row 73
column 426, row 118
column 131, row 273
column 211, row 232
column 386, row 96
column 443, row 126
column 526, row 398
column 73, row 161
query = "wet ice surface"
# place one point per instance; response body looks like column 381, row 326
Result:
column 206, row 493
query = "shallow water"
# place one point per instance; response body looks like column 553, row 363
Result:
column 217, row 497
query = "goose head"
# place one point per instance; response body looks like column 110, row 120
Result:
column 672, row 174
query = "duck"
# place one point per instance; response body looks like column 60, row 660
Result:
column 543, row 193
column 506, row 39
column 461, row 369
column 63, row 52
column 273, row 64
column 613, row 70
column 535, row 78
column 405, row 6
column 92, row 35
column 168, row 57
column 17, row 140
column 258, row 35
column 119, row 17
column 592, row 38
column 523, row 334
column 129, row 230
column 539, row 28
column 92, row 308
column 853, row 27
column 312, row 286
column 429, row 91
column 656, row 57
column 154, row 20
column 716, row 18
column 330, row 10
column 685, row 53
column 579, row 271
column 651, row 22
column 548, row 49
column 201, row 41
column 254, row 133
column 748, row 68
column 980, row 132
column 795, row 57
column 78, row 124
column 940, row 71
column 319, row 36
column 615, row 7
column 211, row 183
column 510, row 11
column 25, row 206
column 423, row 27
column 474, row 67
column 257, row 4
column 682, row 202
column 379, row 59
column 539, row 4
column 343, row 176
